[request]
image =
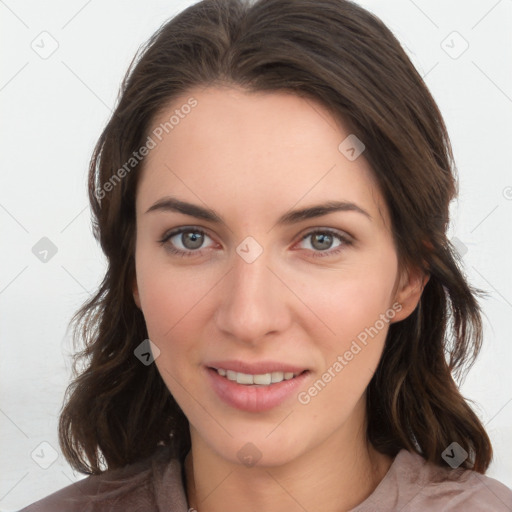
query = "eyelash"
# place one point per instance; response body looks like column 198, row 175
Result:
column 317, row 254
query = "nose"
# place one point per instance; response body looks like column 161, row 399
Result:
column 254, row 301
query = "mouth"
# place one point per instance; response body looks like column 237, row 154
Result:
column 260, row 379
column 259, row 391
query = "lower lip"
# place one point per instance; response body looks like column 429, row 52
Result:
column 254, row 398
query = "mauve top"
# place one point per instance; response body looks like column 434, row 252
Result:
column 156, row 485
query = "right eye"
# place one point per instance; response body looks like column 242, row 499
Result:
column 188, row 241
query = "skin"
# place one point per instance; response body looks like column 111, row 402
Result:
column 252, row 157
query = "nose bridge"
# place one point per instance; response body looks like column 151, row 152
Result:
column 252, row 303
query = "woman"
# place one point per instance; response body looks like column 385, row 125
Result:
column 272, row 195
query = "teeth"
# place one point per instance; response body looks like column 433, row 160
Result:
column 244, row 378
column 277, row 376
column 265, row 379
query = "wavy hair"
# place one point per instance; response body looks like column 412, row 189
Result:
column 117, row 410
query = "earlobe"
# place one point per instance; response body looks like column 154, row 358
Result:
column 409, row 292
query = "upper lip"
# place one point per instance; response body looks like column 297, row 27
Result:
column 258, row 368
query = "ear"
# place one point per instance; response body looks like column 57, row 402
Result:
column 135, row 291
column 408, row 292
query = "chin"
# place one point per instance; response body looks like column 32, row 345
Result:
column 258, row 449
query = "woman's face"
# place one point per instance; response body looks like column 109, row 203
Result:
column 256, row 288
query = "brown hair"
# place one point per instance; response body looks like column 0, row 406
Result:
column 335, row 52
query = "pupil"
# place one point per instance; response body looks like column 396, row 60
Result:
column 196, row 240
column 322, row 238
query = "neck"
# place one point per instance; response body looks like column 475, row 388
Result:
column 333, row 477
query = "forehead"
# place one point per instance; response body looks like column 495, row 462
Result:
column 238, row 148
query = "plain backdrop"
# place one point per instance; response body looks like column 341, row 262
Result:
column 53, row 110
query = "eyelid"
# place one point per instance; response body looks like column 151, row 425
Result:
column 164, row 239
column 185, row 227
column 324, row 229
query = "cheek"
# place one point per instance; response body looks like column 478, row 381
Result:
column 352, row 302
column 168, row 294
column 173, row 301
column 351, row 299
column 171, row 305
column 350, row 354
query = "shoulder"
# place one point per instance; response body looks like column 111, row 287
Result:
column 413, row 484
column 136, row 487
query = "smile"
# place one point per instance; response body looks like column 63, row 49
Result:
column 263, row 379
column 255, row 392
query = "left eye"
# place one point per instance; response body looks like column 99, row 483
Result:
column 322, row 240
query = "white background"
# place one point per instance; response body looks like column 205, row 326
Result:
column 54, row 109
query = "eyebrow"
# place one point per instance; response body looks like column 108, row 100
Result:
column 173, row 204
